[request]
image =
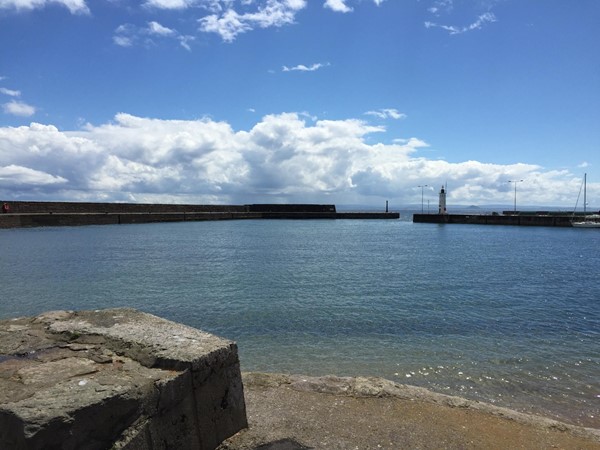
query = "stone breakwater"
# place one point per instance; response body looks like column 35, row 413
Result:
column 36, row 214
column 118, row 379
column 541, row 219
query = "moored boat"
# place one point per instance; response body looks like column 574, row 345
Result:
column 589, row 221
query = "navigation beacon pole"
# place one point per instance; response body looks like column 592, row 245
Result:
column 442, row 201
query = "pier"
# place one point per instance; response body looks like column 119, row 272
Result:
column 38, row 214
column 514, row 217
column 535, row 219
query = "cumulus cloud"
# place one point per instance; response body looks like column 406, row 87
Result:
column 229, row 23
column 303, row 68
column 284, row 157
column 17, row 108
column 18, row 176
column 74, row 6
column 487, row 17
column 337, row 6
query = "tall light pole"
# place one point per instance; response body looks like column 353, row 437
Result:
column 515, row 182
column 422, row 187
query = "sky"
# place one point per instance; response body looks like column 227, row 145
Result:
column 350, row 102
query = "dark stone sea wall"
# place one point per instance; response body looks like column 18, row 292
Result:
column 291, row 208
column 77, row 219
column 20, row 207
column 116, row 379
column 37, row 214
column 535, row 220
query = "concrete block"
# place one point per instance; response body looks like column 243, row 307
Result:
column 116, row 379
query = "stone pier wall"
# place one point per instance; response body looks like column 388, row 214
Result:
column 40, row 214
column 24, row 207
column 498, row 219
column 116, row 379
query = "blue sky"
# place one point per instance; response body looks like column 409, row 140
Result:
column 327, row 101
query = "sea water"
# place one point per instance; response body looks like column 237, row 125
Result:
column 505, row 315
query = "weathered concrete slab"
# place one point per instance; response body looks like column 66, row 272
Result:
column 116, row 378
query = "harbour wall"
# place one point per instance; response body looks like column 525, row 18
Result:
column 77, row 219
column 37, row 214
column 549, row 220
column 20, row 207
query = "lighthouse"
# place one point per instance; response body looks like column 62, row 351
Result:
column 442, row 201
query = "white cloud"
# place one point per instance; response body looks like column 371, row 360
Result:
column 227, row 25
column 128, row 35
column 123, row 41
column 387, row 113
column 342, row 5
column 125, row 35
column 337, row 6
column 170, row 4
column 158, row 29
column 184, row 41
column 17, row 108
column 303, row 68
column 283, row 157
column 10, row 92
column 74, row 6
column 441, row 6
column 12, row 175
column 477, row 25
column 269, row 13
column 413, row 142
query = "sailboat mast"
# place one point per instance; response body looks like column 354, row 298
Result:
column 584, row 193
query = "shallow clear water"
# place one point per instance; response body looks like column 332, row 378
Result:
column 508, row 315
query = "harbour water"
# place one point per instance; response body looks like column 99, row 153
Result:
column 506, row 315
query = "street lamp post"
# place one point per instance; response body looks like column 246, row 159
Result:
column 422, row 187
column 515, row 182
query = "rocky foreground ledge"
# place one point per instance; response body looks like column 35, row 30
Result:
column 116, row 379
column 123, row 379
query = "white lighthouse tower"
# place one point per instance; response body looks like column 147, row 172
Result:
column 442, row 201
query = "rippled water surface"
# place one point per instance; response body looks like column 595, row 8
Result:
column 508, row 315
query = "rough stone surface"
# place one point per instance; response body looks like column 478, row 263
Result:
column 118, row 379
column 288, row 412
